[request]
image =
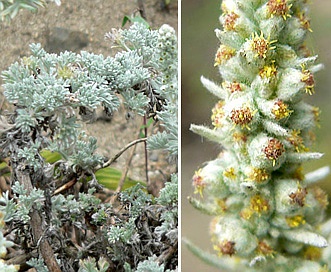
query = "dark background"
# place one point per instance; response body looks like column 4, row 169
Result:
column 199, row 44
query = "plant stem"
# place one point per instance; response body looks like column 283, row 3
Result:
column 109, row 162
column 123, row 177
column 36, row 226
column 146, row 153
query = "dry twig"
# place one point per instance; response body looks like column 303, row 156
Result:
column 109, row 162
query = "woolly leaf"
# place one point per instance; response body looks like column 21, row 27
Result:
column 306, row 237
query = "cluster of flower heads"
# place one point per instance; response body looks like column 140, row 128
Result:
column 256, row 187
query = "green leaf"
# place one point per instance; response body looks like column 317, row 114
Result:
column 125, row 20
column 50, row 156
column 142, row 127
column 148, row 124
column 6, row 172
column 135, row 19
column 109, row 177
column 3, row 165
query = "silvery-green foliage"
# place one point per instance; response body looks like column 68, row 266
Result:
column 53, row 94
column 10, row 8
column 125, row 232
column 159, row 56
column 4, row 243
column 30, row 156
column 8, row 268
column 56, row 91
column 168, row 139
column 157, row 220
column 149, row 265
column 121, row 234
column 90, row 265
column 38, row 264
column 268, row 213
column 24, row 202
column 166, row 47
column 169, row 197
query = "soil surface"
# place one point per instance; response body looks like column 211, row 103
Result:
column 81, row 25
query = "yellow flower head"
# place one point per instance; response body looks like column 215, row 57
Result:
column 239, row 137
column 299, row 197
column 261, row 45
column 296, row 140
column 305, row 23
column 258, row 175
column 223, row 54
column 225, row 248
column 232, row 86
column 308, row 78
column 313, row 253
column 295, row 221
column 242, row 116
column 230, row 21
column 198, row 182
column 268, row 71
column 279, row 8
column 229, row 173
column 258, row 204
column 264, row 249
column 280, row 110
column 218, row 114
column 274, row 150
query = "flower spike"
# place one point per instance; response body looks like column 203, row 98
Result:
column 268, row 212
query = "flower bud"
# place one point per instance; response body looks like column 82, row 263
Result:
column 294, row 32
column 230, row 238
column 257, row 175
column 290, row 86
column 290, row 196
column 304, row 116
column 316, row 202
column 209, row 180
